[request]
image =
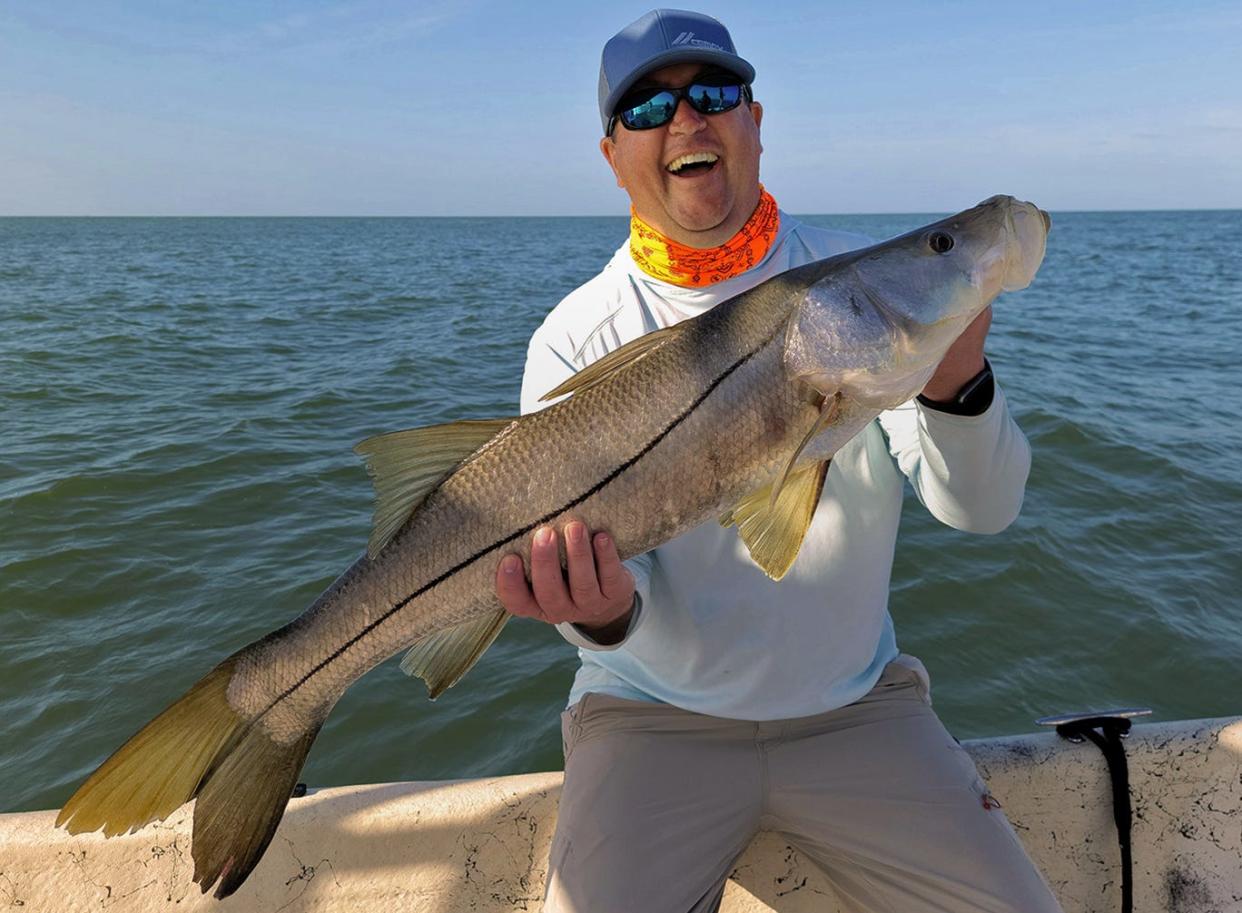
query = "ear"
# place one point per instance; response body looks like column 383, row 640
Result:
column 608, row 146
column 756, row 111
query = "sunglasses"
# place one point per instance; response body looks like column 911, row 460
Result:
column 653, row 107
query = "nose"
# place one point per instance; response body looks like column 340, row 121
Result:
column 686, row 119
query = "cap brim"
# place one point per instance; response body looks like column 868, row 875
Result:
column 723, row 59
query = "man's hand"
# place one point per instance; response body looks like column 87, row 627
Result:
column 962, row 362
column 599, row 595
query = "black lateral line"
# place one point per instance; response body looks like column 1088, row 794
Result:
column 598, row 486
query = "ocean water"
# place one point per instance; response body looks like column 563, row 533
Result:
column 179, row 399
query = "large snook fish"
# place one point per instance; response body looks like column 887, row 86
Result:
column 732, row 415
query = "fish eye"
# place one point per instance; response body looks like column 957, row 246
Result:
column 940, row 242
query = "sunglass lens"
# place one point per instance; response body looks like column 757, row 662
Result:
column 714, row 99
column 650, row 110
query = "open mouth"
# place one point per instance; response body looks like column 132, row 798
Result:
column 693, row 163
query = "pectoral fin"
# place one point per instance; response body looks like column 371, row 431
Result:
column 441, row 659
column 773, row 523
column 405, row 467
column 829, row 410
column 613, row 361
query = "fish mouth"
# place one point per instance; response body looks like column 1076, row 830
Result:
column 1028, row 234
column 692, row 164
column 1018, row 232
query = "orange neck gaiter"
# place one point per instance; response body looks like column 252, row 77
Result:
column 692, row 267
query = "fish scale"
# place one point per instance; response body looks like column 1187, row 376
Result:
column 749, row 424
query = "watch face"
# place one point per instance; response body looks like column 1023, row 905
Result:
column 973, row 399
column 971, row 387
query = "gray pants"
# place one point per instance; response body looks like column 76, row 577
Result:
column 660, row 802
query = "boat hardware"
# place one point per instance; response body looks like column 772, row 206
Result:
column 1106, row 729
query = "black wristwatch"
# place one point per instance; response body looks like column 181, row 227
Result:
column 973, row 399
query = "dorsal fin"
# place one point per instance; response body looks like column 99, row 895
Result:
column 613, row 361
column 773, row 529
column 406, row 465
column 442, row 658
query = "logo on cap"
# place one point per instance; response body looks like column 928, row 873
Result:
column 688, row 38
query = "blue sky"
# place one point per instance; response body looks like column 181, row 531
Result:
column 488, row 108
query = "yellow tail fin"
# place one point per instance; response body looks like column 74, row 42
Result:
column 199, row 747
column 159, row 769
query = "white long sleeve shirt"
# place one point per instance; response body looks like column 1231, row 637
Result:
column 713, row 634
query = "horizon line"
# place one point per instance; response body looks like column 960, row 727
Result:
column 887, row 212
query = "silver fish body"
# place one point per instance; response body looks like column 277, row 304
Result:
column 675, row 430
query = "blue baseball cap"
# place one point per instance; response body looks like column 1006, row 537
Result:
column 659, row 39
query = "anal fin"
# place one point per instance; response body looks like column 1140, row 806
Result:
column 442, row 658
column 773, row 523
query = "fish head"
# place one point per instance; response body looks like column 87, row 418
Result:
column 877, row 324
column 954, row 268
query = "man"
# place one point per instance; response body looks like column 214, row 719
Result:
column 712, row 702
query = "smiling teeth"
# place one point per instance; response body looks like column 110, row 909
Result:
column 683, row 160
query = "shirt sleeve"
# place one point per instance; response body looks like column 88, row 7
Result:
column 547, row 366
column 969, row 471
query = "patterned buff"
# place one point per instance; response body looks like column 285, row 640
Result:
column 691, row 267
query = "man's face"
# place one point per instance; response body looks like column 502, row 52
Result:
column 698, row 207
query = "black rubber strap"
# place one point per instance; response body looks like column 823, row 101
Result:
column 1108, row 740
